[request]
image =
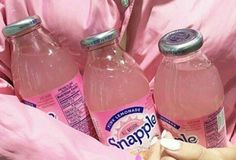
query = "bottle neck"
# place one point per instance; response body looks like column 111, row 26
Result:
column 186, row 57
column 35, row 39
column 105, row 50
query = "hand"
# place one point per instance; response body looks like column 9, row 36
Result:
column 187, row 151
column 153, row 153
column 156, row 151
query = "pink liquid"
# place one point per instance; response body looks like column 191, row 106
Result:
column 188, row 94
column 188, row 89
column 47, row 77
column 40, row 67
column 112, row 84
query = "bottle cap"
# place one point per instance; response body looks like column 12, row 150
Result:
column 21, row 26
column 180, row 42
column 100, row 38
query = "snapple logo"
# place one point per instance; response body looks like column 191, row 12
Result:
column 136, row 137
column 188, row 139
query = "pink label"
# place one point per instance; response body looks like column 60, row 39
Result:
column 66, row 103
column 209, row 131
column 130, row 127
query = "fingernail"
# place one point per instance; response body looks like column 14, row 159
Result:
column 154, row 140
column 163, row 134
column 170, row 144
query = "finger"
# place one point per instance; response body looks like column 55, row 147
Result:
column 153, row 153
column 166, row 134
column 188, row 151
column 164, row 155
column 228, row 153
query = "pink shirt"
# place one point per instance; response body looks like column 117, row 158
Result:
column 71, row 21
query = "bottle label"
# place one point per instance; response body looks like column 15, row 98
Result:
column 209, row 131
column 130, row 127
column 66, row 103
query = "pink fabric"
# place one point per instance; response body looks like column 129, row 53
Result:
column 29, row 134
column 216, row 19
column 5, row 87
column 71, row 21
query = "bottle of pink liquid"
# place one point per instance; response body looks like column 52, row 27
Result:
column 118, row 95
column 188, row 91
column 45, row 75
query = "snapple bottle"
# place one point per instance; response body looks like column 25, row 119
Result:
column 117, row 94
column 188, row 91
column 45, row 75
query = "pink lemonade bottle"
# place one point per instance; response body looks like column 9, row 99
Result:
column 188, row 91
column 45, row 75
column 118, row 95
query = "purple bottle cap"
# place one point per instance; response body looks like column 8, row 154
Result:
column 180, row 42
